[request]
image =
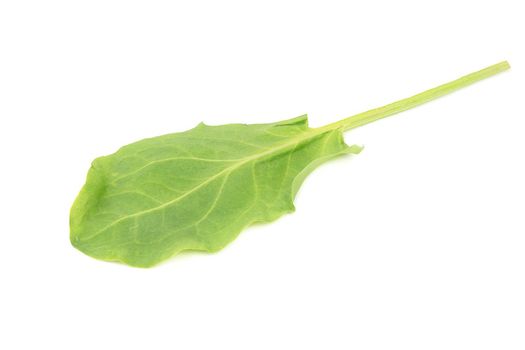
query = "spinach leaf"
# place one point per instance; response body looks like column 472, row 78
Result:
column 197, row 190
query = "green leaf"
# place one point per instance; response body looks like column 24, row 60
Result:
column 197, row 190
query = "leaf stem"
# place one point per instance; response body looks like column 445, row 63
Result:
column 416, row 100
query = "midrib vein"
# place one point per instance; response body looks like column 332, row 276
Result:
column 310, row 134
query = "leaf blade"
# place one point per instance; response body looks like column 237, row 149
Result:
column 255, row 182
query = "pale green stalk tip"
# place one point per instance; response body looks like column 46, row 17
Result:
column 418, row 99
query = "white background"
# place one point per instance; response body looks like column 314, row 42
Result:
column 416, row 243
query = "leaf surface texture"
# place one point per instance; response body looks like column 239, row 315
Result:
column 195, row 190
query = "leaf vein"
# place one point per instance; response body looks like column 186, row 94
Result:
column 306, row 136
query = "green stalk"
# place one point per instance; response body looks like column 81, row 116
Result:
column 416, row 100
